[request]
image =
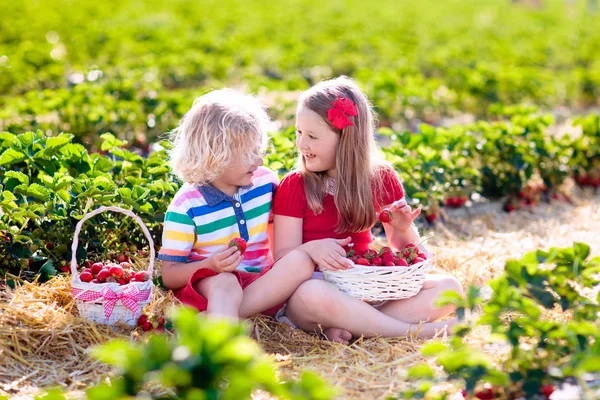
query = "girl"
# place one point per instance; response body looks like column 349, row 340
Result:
column 227, row 194
column 340, row 185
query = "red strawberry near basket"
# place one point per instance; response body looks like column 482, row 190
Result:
column 115, row 293
column 384, row 275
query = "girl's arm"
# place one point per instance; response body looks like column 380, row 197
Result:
column 398, row 238
column 287, row 235
column 328, row 253
column 401, row 230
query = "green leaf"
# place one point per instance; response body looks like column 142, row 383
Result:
column 582, row 250
column 12, row 156
column 8, row 196
column 55, row 142
column 433, row 348
column 47, row 271
column 38, row 191
column 420, row 371
column 19, row 176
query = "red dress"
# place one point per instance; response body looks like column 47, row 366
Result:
column 290, row 200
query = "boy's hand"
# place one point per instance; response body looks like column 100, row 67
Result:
column 226, row 259
column 403, row 215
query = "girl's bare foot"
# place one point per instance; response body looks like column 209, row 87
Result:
column 338, row 335
column 431, row 329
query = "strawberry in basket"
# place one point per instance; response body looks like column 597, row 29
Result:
column 385, row 257
column 112, row 272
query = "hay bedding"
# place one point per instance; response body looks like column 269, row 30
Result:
column 43, row 342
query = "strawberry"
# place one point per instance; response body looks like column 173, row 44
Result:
column 121, row 258
column 142, row 319
column 116, row 271
column 384, row 250
column 369, row 254
column 362, row 261
column 239, row 243
column 141, row 276
column 486, row 394
column 389, row 264
column 86, row 276
column 509, row 208
column 385, row 216
column 147, row 326
column 66, row 269
column 103, row 275
column 87, row 270
column 128, row 275
column 547, row 390
column 97, row 267
column 88, row 264
column 418, row 260
column 122, row 281
column 401, row 262
column 95, row 281
column 431, row 218
column 125, row 265
column 161, row 320
column 387, row 258
column 50, row 246
column 410, row 245
column 377, row 261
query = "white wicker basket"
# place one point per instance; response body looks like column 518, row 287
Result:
column 377, row 284
column 109, row 303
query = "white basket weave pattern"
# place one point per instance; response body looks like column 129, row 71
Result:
column 376, row 284
column 110, row 303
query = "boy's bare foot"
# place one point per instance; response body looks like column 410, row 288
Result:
column 338, row 335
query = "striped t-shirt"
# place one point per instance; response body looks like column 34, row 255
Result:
column 202, row 219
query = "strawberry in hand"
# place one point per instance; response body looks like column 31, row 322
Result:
column 239, row 243
column 402, row 215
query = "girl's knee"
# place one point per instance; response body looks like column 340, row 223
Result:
column 314, row 297
column 297, row 262
column 451, row 283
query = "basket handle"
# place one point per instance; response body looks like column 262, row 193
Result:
column 101, row 210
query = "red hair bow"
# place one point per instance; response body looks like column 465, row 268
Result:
column 338, row 114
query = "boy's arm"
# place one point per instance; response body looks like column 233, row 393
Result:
column 176, row 275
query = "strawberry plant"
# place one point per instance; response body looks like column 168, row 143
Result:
column 49, row 183
column 205, row 358
column 543, row 353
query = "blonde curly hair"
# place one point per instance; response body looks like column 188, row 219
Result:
column 221, row 126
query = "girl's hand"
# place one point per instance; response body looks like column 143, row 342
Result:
column 226, row 259
column 329, row 253
column 403, row 215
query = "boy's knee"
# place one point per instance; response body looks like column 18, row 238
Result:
column 222, row 283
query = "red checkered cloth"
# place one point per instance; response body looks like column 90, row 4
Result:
column 130, row 297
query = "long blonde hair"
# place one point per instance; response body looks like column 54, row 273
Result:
column 359, row 163
column 221, row 126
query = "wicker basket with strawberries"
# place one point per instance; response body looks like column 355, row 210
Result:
column 109, row 292
column 383, row 275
